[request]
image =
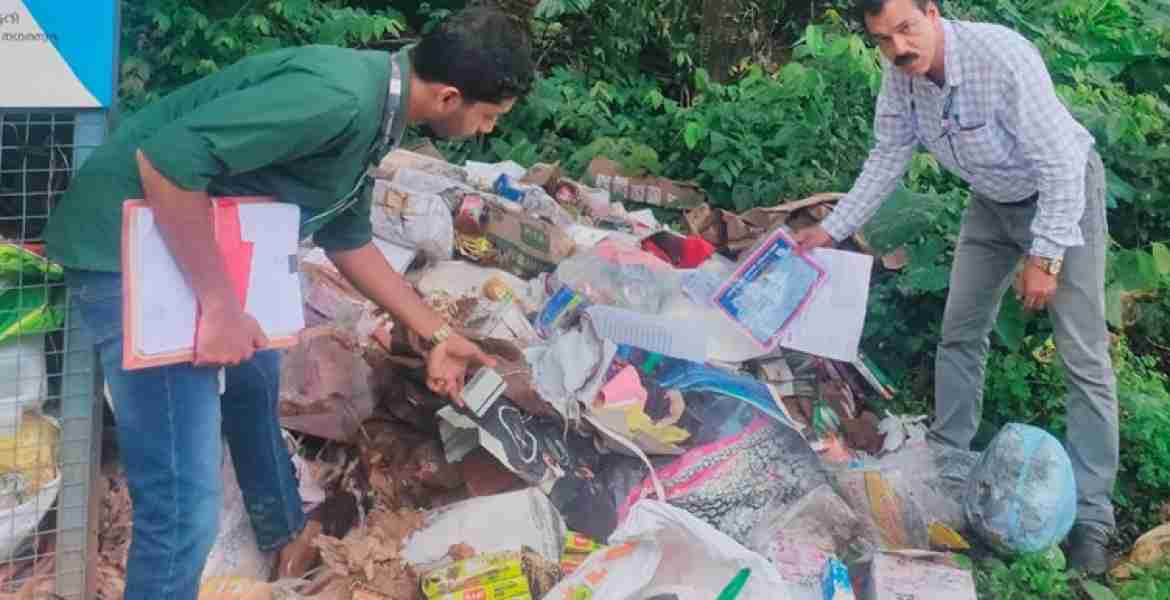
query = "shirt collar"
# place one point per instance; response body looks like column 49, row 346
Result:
column 952, row 54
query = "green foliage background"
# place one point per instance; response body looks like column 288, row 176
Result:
column 622, row 78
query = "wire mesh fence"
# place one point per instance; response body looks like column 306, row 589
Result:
column 50, row 425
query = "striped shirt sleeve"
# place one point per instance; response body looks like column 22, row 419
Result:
column 887, row 161
column 1035, row 116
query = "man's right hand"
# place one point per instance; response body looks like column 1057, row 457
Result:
column 812, row 237
column 227, row 337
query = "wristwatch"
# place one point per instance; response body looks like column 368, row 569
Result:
column 1048, row 265
column 440, row 335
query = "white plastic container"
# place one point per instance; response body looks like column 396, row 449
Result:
column 23, row 381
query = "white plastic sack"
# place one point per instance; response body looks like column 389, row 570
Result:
column 662, row 549
column 489, row 524
column 235, row 553
column 20, row 522
column 22, row 379
column 425, row 222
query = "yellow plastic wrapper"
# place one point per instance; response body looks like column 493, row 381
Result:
column 946, row 538
column 885, row 508
column 32, row 452
column 509, row 589
column 490, row 571
column 581, row 544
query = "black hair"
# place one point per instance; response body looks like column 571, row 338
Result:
column 484, row 53
column 870, row 8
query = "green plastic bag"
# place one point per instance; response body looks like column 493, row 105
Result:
column 31, row 294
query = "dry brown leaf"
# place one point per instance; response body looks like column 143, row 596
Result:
column 370, row 557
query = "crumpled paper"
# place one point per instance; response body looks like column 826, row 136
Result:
column 570, row 369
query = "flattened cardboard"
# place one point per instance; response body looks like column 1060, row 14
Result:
column 655, row 191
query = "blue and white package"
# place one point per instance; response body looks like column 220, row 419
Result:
column 835, row 584
column 769, row 289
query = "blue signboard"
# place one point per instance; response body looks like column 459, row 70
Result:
column 58, row 54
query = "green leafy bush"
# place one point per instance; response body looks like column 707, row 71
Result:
column 167, row 43
column 1040, row 575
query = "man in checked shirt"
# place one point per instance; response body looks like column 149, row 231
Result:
column 979, row 98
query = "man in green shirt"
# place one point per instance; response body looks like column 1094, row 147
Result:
column 302, row 125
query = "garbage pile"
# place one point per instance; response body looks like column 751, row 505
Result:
column 673, row 416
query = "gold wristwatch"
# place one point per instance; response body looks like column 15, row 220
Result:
column 1048, row 265
column 440, row 335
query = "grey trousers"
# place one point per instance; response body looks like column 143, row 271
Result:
column 994, row 237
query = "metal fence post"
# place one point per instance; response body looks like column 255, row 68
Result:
column 79, row 511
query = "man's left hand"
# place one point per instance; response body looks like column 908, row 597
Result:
column 447, row 365
column 1035, row 287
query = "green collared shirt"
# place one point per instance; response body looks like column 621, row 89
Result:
column 299, row 124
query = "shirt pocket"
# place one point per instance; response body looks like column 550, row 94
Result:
column 980, row 145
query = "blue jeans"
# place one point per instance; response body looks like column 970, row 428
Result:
column 170, row 423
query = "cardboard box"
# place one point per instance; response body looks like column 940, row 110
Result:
column 655, row 191
column 915, row 575
column 525, row 246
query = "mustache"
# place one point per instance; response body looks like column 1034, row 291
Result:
column 905, row 59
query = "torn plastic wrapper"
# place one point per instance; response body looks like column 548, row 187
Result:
column 693, row 377
column 819, row 520
column 934, row 476
column 622, row 407
column 539, row 204
column 617, row 275
column 892, row 519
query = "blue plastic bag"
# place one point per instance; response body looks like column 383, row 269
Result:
column 1022, row 495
